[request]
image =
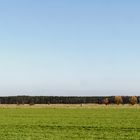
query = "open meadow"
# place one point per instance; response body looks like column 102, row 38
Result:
column 69, row 122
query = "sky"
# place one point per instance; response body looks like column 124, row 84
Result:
column 69, row 47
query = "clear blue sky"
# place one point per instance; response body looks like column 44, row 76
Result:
column 69, row 47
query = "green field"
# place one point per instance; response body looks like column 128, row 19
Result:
column 103, row 123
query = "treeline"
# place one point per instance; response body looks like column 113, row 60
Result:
column 70, row 100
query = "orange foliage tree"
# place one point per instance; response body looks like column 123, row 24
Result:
column 133, row 100
column 118, row 100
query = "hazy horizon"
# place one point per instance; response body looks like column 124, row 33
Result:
column 69, row 47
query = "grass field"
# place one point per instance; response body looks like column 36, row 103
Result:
column 65, row 123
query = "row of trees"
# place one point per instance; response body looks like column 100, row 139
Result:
column 69, row 100
column 120, row 100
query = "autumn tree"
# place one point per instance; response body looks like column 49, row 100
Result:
column 133, row 100
column 118, row 100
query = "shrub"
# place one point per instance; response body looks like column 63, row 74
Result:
column 118, row 100
column 18, row 103
column 31, row 103
column 133, row 100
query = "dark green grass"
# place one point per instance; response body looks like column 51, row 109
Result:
column 64, row 124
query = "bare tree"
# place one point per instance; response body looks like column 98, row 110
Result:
column 106, row 101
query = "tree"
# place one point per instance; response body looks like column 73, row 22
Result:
column 118, row 100
column 133, row 100
column 106, row 101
